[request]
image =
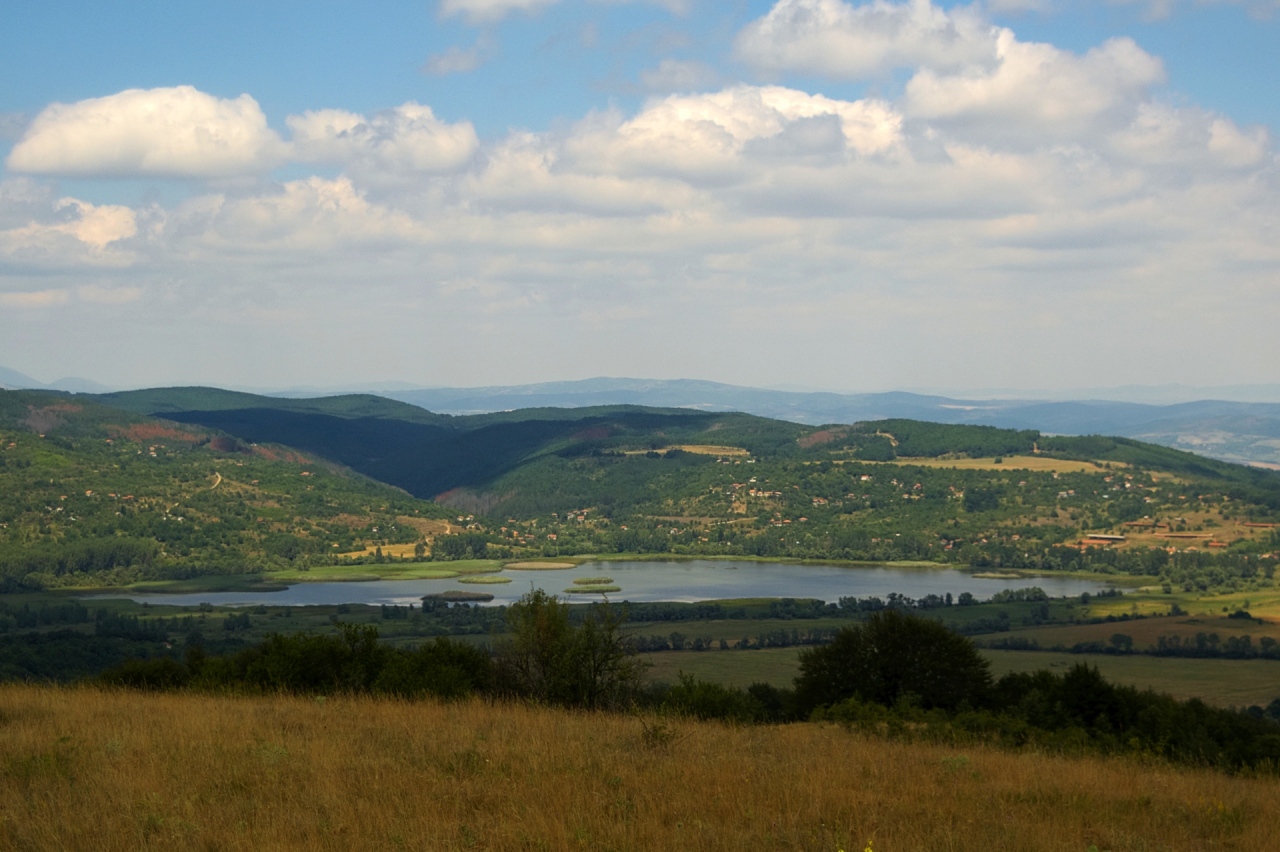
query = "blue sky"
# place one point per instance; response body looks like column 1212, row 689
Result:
column 836, row 194
column 293, row 56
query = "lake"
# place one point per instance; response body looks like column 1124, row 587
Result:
column 685, row 580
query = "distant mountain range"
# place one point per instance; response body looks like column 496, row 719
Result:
column 13, row 380
column 1239, row 431
column 1247, row 432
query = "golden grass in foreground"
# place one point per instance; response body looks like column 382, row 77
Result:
column 85, row 769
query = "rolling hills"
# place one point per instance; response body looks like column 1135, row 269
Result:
column 242, row 483
column 1239, row 423
column 1237, row 431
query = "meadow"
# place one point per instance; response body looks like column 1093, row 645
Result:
column 91, row 769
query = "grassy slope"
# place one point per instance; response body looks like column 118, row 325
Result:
column 87, row 769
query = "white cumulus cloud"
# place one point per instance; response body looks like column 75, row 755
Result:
column 71, row 231
column 1035, row 182
column 1038, row 85
column 407, row 138
column 172, row 132
column 835, row 39
column 702, row 137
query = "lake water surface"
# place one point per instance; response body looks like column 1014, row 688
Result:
column 685, row 580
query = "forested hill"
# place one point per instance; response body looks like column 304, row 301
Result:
column 164, row 401
column 92, row 493
column 96, row 495
column 429, row 454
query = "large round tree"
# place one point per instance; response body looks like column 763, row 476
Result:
column 891, row 656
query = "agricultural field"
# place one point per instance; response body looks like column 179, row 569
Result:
column 405, row 570
column 1223, row 683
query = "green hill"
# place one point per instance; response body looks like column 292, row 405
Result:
column 161, row 401
column 428, row 454
column 93, row 495
column 557, row 482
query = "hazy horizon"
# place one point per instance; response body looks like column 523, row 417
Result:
column 1166, row 394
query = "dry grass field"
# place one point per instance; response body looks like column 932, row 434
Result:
column 92, row 770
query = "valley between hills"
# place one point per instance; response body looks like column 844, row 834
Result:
column 198, row 491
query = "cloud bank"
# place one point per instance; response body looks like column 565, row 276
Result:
column 174, row 132
column 1017, row 197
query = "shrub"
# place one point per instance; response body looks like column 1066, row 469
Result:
column 704, row 700
column 159, row 673
column 442, row 669
column 892, row 656
column 551, row 660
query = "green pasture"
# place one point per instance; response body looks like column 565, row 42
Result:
column 1224, row 683
column 777, row 666
column 388, row 571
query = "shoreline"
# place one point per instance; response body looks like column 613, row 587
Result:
column 274, row 582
